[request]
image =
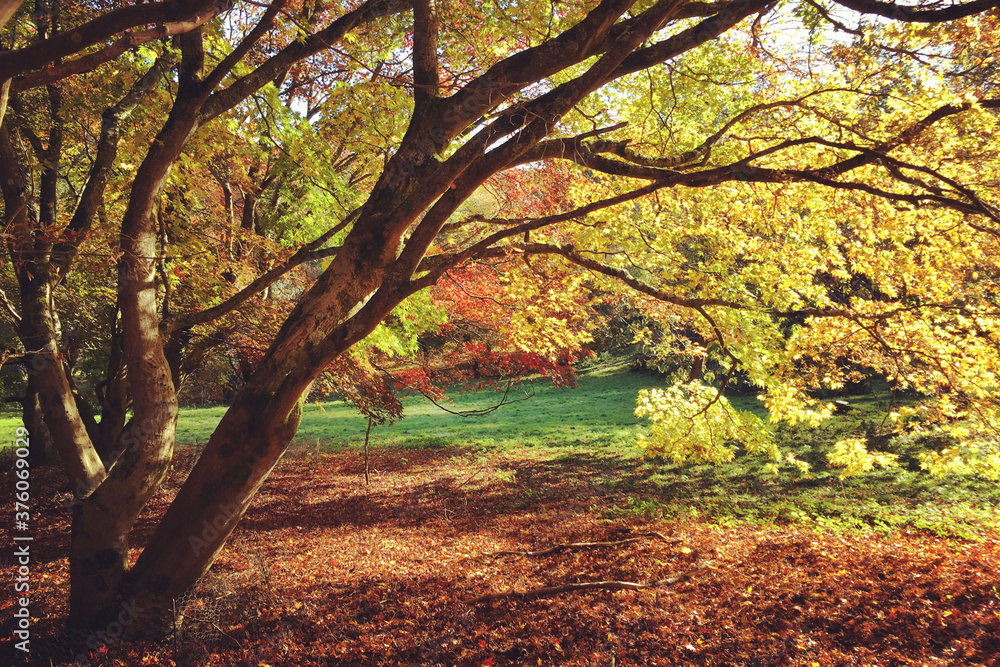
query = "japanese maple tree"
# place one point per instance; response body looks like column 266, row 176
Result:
column 801, row 181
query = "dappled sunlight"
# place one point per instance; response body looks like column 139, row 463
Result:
column 326, row 570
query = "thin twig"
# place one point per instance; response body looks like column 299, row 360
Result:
column 9, row 307
column 367, row 433
column 548, row 591
column 583, row 545
column 481, row 411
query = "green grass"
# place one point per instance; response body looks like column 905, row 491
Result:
column 9, row 423
column 590, row 432
column 903, row 498
column 596, row 414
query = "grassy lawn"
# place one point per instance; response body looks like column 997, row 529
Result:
column 596, row 414
column 588, row 433
column 888, row 567
column 9, row 422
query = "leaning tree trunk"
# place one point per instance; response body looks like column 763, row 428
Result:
column 99, row 548
column 336, row 313
column 238, row 457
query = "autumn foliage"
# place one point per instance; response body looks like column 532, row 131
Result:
column 325, row 570
column 376, row 196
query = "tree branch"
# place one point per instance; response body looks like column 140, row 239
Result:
column 633, row 165
column 66, row 248
column 528, row 124
column 7, row 9
column 247, row 43
column 426, row 79
column 481, row 411
column 704, row 150
column 224, row 100
column 170, row 17
column 570, row 253
column 891, row 10
column 93, row 60
column 307, row 253
column 590, row 36
column 692, row 37
column 11, row 310
column 436, row 265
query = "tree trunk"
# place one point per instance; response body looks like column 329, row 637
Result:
column 113, row 396
column 237, row 459
column 86, row 412
column 38, row 332
column 336, row 313
column 40, row 328
column 42, row 451
column 99, row 550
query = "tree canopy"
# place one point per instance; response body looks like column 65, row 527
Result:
column 800, row 192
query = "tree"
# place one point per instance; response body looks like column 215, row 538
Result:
column 717, row 171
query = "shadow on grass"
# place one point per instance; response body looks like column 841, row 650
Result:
column 413, row 486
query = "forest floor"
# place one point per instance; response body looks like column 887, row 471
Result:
column 326, row 570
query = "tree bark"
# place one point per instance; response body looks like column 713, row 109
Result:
column 335, row 314
column 7, row 9
column 112, row 394
column 99, row 549
column 38, row 330
column 43, row 449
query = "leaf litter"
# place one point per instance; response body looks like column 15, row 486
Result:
column 325, row 570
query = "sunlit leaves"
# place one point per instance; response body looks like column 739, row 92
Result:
column 881, row 274
column 693, row 423
column 854, row 457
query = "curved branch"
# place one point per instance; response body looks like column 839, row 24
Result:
column 255, row 287
column 247, row 43
column 481, row 411
column 435, row 266
column 66, row 248
column 160, row 14
column 227, row 98
column 891, row 10
column 634, row 166
column 11, row 310
column 692, row 37
column 93, row 60
column 703, row 151
column 570, row 253
column 307, row 253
